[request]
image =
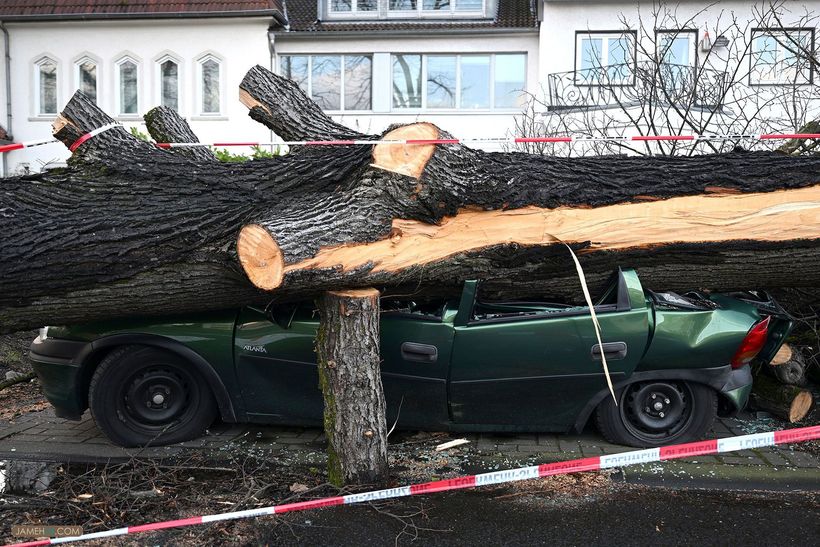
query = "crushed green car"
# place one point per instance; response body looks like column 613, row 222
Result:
column 458, row 364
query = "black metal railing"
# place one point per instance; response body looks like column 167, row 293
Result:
column 635, row 84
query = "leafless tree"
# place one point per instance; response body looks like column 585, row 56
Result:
column 740, row 85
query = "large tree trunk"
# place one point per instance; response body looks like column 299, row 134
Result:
column 347, row 351
column 130, row 229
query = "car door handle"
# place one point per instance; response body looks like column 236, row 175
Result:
column 612, row 351
column 420, row 353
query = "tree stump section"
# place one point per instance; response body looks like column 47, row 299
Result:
column 788, row 402
column 347, row 348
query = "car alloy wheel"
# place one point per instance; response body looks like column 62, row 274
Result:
column 655, row 411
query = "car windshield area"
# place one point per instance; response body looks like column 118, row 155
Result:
column 487, row 309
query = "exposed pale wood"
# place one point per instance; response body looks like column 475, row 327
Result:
column 406, row 159
column 260, row 257
column 788, row 402
column 246, row 99
column 783, row 355
column 59, row 123
column 356, row 293
column 767, row 217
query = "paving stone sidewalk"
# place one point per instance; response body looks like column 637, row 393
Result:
column 41, row 436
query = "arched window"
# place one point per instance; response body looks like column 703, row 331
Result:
column 128, row 86
column 45, row 83
column 86, row 75
column 168, row 68
column 210, row 79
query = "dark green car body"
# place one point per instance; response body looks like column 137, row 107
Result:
column 458, row 364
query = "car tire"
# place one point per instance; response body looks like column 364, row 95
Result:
column 141, row 395
column 657, row 412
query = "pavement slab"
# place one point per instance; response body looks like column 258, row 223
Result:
column 41, row 436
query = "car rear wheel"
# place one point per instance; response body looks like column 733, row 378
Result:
column 658, row 412
column 141, row 395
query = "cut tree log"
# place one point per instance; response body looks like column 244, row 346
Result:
column 166, row 125
column 128, row 229
column 783, row 356
column 347, row 352
column 787, row 402
column 789, row 370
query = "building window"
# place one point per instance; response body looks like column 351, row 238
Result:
column 87, row 78
column 464, row 82
column 676, row 47
column 437, row 7
column 128, row 86
column 781, row 56
column 45, row 81
column 354, row 6
column 209, row 85
column 169, row 83
column 605, row 58
column 335, row 82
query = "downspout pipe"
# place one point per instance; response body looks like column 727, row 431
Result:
column 6, row 42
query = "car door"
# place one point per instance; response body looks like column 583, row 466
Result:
column 538, row 370
column 276, row 365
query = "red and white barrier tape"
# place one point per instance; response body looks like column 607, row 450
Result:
column 471, row 140
column 673, row 452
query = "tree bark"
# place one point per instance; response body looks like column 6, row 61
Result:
column 347, row 350
column 166, row 125
column 787, row 402
column 129, row 229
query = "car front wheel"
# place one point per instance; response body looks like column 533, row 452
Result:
column 658, row 412
column 143, row 395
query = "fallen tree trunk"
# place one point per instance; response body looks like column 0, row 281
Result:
column 787, row 402
column 129, row 229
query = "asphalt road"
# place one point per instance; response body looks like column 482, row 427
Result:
column 628, row 515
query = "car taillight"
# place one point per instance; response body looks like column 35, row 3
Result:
column 752, row 344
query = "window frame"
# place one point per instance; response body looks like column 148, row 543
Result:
column 383, row 11
column 158, row 61
column 678, row 32
column 422, row 13
column 579, row 34
column 341, row 56
column 457, row 100
column 121, row 60
column 772, row 30
column 77, row 77
column 354, row 13
column 36, row 64
column 199, row 94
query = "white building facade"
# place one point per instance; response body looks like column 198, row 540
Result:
column 192, row 61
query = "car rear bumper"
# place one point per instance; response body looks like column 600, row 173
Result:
column 737, row 388
column 59, row 376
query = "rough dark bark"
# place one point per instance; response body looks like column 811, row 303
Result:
column 166, row 125
column 347, row 351
column 456, row 179
column 787, row 402
column 129, row 229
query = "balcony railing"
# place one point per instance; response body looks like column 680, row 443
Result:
column 631, row 85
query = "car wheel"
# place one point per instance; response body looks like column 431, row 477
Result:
column 656, row 413
column 140, row 395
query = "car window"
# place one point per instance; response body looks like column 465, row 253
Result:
column 432, row 309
